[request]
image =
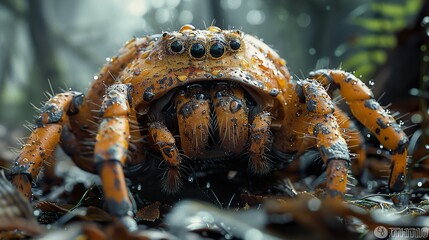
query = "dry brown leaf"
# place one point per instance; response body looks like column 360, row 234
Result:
column 149, row 213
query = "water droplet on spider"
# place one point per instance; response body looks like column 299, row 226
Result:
column 419, row 184
column 401, row 123
column 378, row 151
column 190, row 179
column 139, row 187
column 368, row 135
column 208, row 185
column 108, row 59
column 381, row 146
column 371, row 83
column 427, row 146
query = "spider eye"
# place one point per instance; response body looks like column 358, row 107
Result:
column 217, row 50
column 176, row 46
column 197, row 50
column 234, row 44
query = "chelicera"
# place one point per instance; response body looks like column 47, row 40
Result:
column 223, row 93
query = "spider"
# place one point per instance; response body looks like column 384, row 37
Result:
column 223, row 93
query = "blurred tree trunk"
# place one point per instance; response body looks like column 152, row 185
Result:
column 218, row 14
column 46, row 66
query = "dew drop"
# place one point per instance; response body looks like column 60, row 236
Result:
column 427, row 146
column 208, row 185
column 190, row 179
column 371, row 83
column 419, row 184
column 368, row 135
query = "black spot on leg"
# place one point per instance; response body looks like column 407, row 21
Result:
column 320, row 128
column 300, row 93
column 162, row 80
column 381, row 123
column 372, row 104
column 53, row 112
column 377, row 131
column 22, row 170
column 77, row 100
column 186, row 109
column 311, row 105
column 337, row 150
column 402, row 145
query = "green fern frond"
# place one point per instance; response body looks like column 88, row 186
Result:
column 380, row 25
column 370, row 48
column 374, row 40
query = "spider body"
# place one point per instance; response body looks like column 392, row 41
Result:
column 202, row 96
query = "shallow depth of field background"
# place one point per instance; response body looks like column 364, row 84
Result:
column 65, row 43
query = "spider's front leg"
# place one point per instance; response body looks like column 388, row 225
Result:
column 43, row 140
column 332, row 146
column 369, row 112
column 110, row 152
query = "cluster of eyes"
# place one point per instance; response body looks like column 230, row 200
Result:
column 198, row 50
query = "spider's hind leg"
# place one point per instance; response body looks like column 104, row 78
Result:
column 110, row 152
column 329, row 140
column 43, row 141
column 369, row 112
column 166, row 144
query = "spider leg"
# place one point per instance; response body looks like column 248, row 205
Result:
column 369, row 112
column 231, row 113
column 166, row 144
column 42, row 142
column 110, row 152
column 332, row 146
column 260, row 141
column 354, row 140
column 193, row 116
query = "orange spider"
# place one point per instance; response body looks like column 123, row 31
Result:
column 224, row 93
